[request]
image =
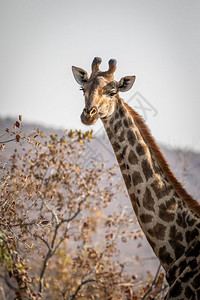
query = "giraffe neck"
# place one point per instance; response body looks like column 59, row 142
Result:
column 168, row 223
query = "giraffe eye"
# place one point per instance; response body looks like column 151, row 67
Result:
column 112, row 94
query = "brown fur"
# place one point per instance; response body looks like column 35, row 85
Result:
column 154, row 148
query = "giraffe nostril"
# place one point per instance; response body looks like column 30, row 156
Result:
column 93, row 111
column 90, row 111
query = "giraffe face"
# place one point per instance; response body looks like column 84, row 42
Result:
column 100, row 91
column 100, row 98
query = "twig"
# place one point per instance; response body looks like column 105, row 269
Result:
column 4, row 142
column 18, row 224
column 2, row 135
column 153, row 283
column 43, row 240
column 73, row 296
column 71, row 218
column 60, row 241
column 163, row 288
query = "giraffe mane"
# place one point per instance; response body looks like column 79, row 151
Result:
column 154, row 148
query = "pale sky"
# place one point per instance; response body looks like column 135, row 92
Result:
column 158, row 41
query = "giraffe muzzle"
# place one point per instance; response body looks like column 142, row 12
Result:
column 89, row 115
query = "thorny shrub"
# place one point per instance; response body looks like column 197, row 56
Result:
column 58, row 231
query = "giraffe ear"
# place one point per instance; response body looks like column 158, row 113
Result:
column 80, row 75
column 126, row 83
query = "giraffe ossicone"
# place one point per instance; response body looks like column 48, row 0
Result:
column 168, row 215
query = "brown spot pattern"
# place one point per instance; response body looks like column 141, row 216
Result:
column 189, row 293
column 165, row 255
column 196, row 281
column 124, row 150
column 166, row 210
column 137, row 178
column 179, row 249
column 135, row 202
column 174, row 234
column 148, row 201
column 116, row 115
column 146, row 218
column 121, row 137
column 109, row 133
column 147, row 170
column 160, row 191
column 121, row 112
column 191, row 235
column 120, row 157
column 164, row 215
column 117, row 126
column 191, row 221
column 112, row 120
column 181, row 220
column 123, row 167
column 116, row 146
column 132, row 158
column 127, row 181
column 134, row 199
column 176, row 290
column 131, row 137
column 158, row 231
column 140, row 149
column 125, row 123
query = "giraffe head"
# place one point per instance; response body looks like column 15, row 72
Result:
column 100, row 90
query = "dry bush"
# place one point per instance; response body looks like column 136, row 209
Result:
column 58, row 230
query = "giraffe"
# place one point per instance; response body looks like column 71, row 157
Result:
column 167, row 214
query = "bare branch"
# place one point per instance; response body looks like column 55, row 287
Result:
column 33, row 222
column 43, row 240
column 43, row 271
column 60, row 241
column 50, row 209
column 153, row 283
column 7, row 141
column 75, row 214
column 73, row 296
